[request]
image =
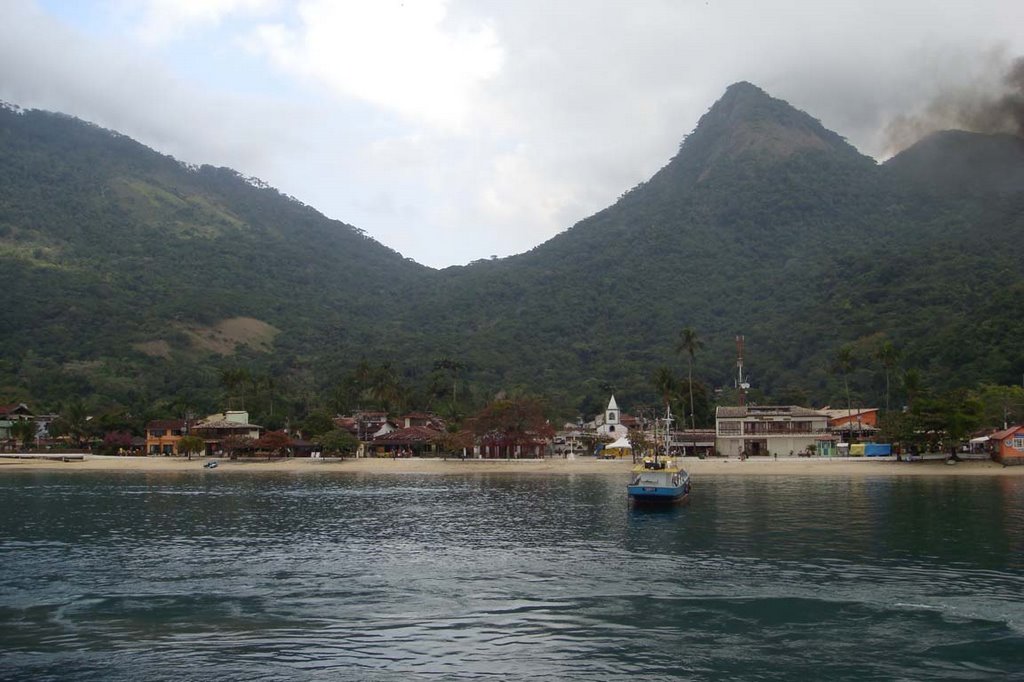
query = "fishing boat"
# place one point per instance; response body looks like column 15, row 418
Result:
column 659, row 480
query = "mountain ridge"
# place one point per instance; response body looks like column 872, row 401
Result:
column 764, row 224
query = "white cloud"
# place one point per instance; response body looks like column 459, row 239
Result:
column 403, row 56
column 161, row 21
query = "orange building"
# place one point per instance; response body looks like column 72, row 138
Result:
column 1008, row 445
column 162, row 436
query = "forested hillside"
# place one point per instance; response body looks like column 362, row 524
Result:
column 136, row 282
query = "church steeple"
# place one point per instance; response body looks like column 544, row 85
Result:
column 612, row 413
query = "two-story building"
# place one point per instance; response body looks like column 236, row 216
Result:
column 766, row 430
column 162, row 436
column 216, row 427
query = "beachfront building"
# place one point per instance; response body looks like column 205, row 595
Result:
column 852, row 424
column 9, row 416
column 215, row 428
column 162, row 436
column 771, row 430
column 1008, row 445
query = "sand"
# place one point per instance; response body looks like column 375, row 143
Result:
column 585, row 465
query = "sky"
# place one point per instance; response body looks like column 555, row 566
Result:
column 453, row 131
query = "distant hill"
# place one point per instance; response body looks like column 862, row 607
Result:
column 957, row 161
column 134, row 278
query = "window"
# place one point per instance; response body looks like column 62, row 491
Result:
column 1017, row 443
column 157, row 433
column 729, row 428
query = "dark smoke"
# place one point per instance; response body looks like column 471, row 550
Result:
column 998, row 110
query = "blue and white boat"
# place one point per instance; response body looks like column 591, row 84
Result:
column 659, row 481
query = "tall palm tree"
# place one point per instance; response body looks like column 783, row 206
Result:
column 689, row 343
column 843, row 365
column 888, row 355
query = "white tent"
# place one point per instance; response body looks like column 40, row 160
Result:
column 620, row 444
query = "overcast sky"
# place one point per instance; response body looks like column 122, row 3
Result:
column 452, row 131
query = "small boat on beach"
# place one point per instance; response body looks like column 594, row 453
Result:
column 659, row 481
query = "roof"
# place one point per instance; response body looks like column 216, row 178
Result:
column 1006, row 433
column 844, row 413
column 166, row 424
column 412, row 434
column 223, row 424
column 612, row 404
column 767, row 411
column 15, row 408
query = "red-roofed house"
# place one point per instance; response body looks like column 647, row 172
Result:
column 1008, row 445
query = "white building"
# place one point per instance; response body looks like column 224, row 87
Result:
column 770, row 430
column 610, row 425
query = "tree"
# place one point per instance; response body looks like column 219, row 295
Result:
column 232, row 379
column 74, row 422
column 912, row 385
column 665, row 384
column 24, row 430
column 843, row 365
column 191, row 445
column 277, row 442
column 338, row 441
column 513, row 422
column 316, row 423
column 888, row 355
column 116, row 441
column 453, row 367
column 232, row 444
column 689, row 343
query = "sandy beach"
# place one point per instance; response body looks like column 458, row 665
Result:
column 586, row 465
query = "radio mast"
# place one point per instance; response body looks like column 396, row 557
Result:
column 740, row 384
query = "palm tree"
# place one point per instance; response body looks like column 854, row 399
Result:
column 844, row 365
column 888, row 355
column 665, row 384
column 689, row 343
column 452, row 366
column 912, row 385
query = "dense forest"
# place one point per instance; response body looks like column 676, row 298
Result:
column 140, row 287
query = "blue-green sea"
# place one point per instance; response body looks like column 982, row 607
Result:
column 220, row 575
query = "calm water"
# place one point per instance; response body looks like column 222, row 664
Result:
column 207, row 576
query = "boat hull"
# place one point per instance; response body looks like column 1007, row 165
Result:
column 654, row 496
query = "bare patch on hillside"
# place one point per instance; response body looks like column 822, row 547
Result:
column 224, row 337
column 154, row 349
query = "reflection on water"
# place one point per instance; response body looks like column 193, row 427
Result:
column 199, row 576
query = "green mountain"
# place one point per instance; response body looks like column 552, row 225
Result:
column 139, row 280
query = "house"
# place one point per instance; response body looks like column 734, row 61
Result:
column 162, row 436
column 1008, row 445
column 412, row 440
column 852, row 423
column 215, row 428
column 9, row 414
column 766, row 430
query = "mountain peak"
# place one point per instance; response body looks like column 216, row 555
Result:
column 747, row 120
column 747, row 125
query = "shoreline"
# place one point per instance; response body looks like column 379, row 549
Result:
column 456, row 466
